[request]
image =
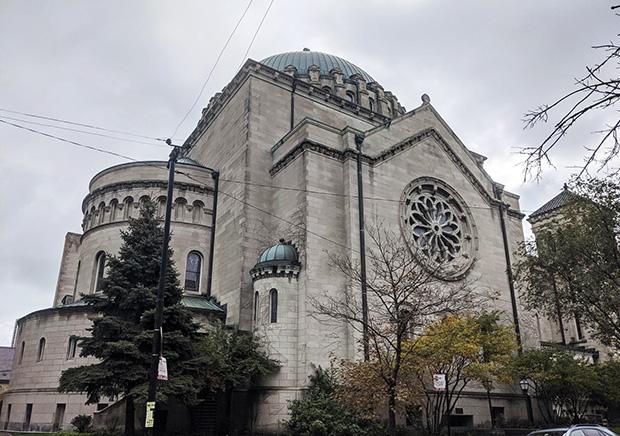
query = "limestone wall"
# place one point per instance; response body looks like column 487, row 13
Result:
column 35, row 381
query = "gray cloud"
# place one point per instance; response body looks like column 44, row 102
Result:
column 137, row 66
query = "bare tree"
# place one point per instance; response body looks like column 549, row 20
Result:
column 404, row 294
column 599, row 89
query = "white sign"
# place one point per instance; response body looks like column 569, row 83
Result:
column 150, row 418
column 162, row 369
column 439, row 382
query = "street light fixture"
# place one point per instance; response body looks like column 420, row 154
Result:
column 525, row 386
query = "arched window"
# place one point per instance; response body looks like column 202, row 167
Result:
column 255, row 307
column 371, row 104
column 113, row 209
column 21, row 353
column 327, row 89
column 101, row 213
column 127, row 206
column 351, row 97
column 161, row 206
column 197, row 211
column 91, row 221
column 273, row 306
column 99, row 271
column 41, row 350
column 179, row 209
column 192, row 271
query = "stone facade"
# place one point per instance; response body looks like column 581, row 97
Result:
column 283, row 139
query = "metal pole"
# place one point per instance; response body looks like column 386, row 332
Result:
column 359, row 139
column 511, row 286
column 448, row 411
column 216, row 185
column 530, row 413
column 157, row 332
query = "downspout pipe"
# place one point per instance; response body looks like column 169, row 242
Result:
column 293, row 104
column 499, row 190
column 359, row 139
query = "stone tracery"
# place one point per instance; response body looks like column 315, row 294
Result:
column 438, row 227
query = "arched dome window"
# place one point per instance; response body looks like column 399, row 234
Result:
column 371, row 104
column 41, row 350
column 197, row 211
column 113, row 209
column 161, row 206
column 179, row 209
column 192, row 271
column 127, row 206
column 327, row 89
column 256, row 307
column 101, row 213
column 351, row 97
column 273, row 306
column 99, row 271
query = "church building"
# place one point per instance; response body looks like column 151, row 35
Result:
column 284, row 135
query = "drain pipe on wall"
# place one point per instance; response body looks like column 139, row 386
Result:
column 499, row 190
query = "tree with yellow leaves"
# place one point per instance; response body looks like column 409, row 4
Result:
column 465, row 349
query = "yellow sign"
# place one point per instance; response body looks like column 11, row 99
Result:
column 150, row 414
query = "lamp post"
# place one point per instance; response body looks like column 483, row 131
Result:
column 525, row 386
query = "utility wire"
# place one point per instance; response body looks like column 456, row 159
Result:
column 90, row 126
column 78, row 144
column 219, row 56
column 103, row 135
column 245, row 56
column 285, row 188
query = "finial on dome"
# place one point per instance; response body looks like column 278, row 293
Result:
column 306, row 49
column 426, row 99
column 282, row 241
column 565, row 187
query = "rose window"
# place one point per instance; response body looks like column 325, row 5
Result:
column 437, row 226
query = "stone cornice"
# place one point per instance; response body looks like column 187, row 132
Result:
column 388, row 154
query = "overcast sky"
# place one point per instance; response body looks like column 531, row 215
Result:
column 137, row 66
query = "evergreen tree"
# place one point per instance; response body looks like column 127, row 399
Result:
column 121, row 337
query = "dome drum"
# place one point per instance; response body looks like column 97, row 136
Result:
column 280, row 260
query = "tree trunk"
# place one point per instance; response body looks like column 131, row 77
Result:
column 392, row 410
column 129, row 416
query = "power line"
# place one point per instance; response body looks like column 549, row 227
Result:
column 78, row 144
column 204, row 85
column 245, row 56
column 285, row 188
column 103, row 135
column 90, row 126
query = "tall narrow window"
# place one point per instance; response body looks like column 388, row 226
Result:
column 371, row 104
column 28, row 416
column 8, row 417
column 351, row 97
column 273, row 306
column 41, row 350
column 21, row 353
column 180, row 205
column 197, row 211
column 127, row 206
column 255, row 306
column 77, row 276
column 192, row 271
column 113, row 209
column 101, row 213
column 99, row 271
column 71, row 349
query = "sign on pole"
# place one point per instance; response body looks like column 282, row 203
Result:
column 439, row 382
column 150, row 414
column 162, row 369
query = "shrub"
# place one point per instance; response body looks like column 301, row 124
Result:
column 82, row 423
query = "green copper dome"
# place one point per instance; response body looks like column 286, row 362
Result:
column 280, row 253
column 303, row 59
